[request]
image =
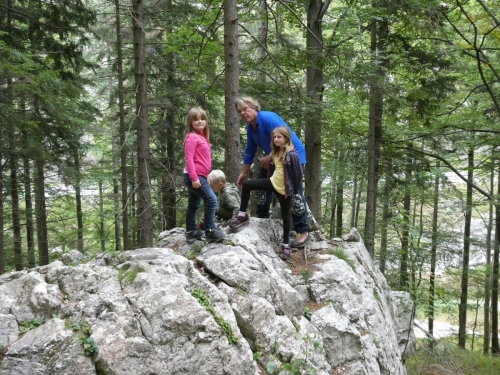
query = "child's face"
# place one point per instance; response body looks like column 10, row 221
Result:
column 217, row 187
column 279, row 140
column 199, row 124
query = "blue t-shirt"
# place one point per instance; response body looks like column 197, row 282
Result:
column 261, row 137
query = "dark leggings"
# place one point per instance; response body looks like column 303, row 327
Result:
column 265, row 184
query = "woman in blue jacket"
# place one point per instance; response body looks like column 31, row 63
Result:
column 284, row 180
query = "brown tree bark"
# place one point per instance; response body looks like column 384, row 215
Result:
column 144, row 208
column 462, row 308
column 432, row 276
column 41, row 213
column 123, row 134
column 315, row 9
column 231, row 89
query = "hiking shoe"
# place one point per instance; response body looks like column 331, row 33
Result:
column 238, row 221
column 285, row 252
column 215, row 235
column 300, row 240
column 194, row 235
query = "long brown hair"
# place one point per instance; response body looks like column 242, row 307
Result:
column 283, row 130
column 194, row 114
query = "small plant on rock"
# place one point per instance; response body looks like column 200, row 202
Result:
column 28, row 325
column 83, row 333
column 341, row 254
column 225, row 326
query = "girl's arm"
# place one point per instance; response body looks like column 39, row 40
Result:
column 190, row 144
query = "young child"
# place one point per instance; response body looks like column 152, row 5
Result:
column 285, row 180
column 229, row 196
column 198, row 164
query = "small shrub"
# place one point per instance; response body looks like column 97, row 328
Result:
column 83, row 333
column 341, row 254
column 28, row 325
column 207, row 304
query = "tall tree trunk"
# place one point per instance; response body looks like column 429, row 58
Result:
column 2, row 187
column 495, row 349
column 78, row 201
column 123, row 131
column 16, row 221
column 101, row 217
column 169, row 192
column 114, row 154
column 144, row 208
column 41, row 213
column 386, row 215
column 379, row 32
column 487, row 279
column 405, row 234
column 333, row 183
column 315, row 85
column 28, row 201
column 231, row 90
column 339, row 203
column 353, row 200
column 462, row 308
column 432, row 276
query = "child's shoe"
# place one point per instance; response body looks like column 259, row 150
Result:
column 285, row 252
column 215, row 235
column 301, row 240
column 194, row 235
column 238, row 221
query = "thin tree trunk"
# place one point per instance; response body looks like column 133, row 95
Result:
column 487, row 279
column 41, row 213
column 379, row 32
column 116, row 171
column 2, row 248
column 339, row 204
column 231, row 90
column 101, row 218
column 123, row 131
column 495, row 349
column 386, row 214
column 405, row 235
column 353, row 200
column 144, row 203
column 432, row 276
column 462, row 308
column 78, row 200
column 316, row 9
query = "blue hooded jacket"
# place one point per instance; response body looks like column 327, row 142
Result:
column 266, row 122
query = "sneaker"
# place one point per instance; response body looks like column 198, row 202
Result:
column 285, row 252
column 194, row 235
column 300, row 240
column 215, row 235
column 238, row 221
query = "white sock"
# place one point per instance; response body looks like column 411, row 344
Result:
column 242, row 213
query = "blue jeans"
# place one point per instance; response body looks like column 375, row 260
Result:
column 195, row 196
column 299, row 222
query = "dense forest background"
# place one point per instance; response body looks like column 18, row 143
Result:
column 397, row 104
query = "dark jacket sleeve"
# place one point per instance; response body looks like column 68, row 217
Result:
column 298, row 172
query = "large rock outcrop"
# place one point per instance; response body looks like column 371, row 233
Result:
column 231, row 308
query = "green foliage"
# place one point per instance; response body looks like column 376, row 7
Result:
column 298, row 365
column 128, row 275
column 28, row 325
column 83, row 333
column 341, row 254
column 203, row 300
column 307, row 313
column 306, row 274
column 450, row 356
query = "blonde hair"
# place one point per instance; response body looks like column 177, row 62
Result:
column 217, row 177
column 194, row 114
column 246, row 101
column 283, row 130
